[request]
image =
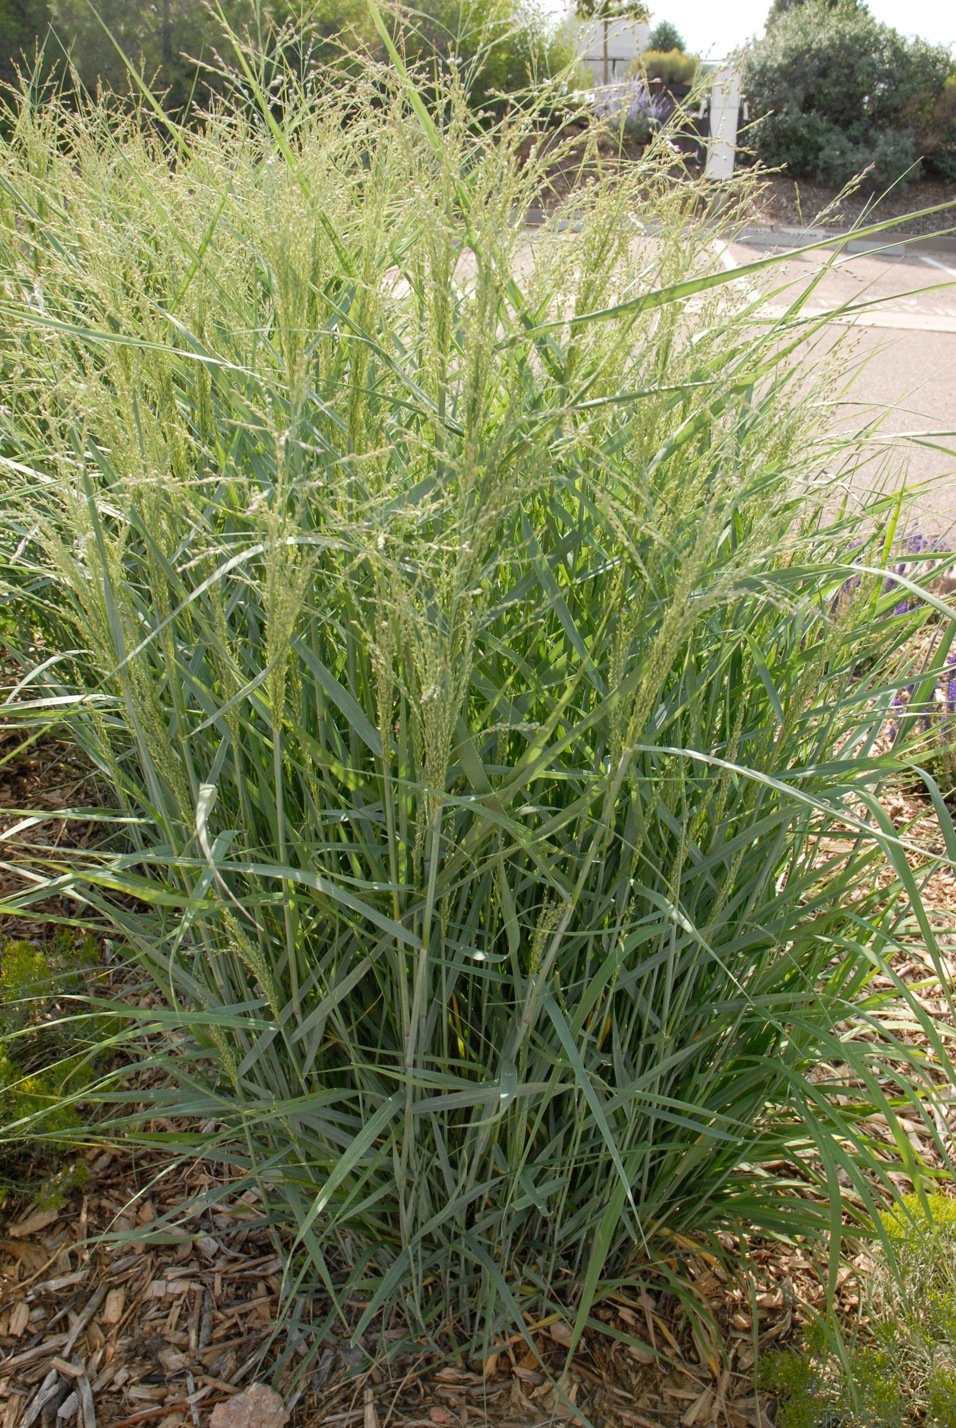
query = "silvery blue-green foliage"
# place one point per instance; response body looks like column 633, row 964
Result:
column 838, row 91
column 454, row 617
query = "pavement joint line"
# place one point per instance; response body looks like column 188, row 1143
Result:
column 892, row 244
column 935, row 263
column 727, row 258
column 896, row 321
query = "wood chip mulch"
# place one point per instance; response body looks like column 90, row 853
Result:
column 102, row 1334
column 789, row 203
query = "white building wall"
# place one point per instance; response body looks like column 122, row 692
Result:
column 626, row 39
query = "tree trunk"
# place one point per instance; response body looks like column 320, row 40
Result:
column 607, row 73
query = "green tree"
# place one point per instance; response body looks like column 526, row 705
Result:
column 167, row 39
column 182, row 47
column 496, row 47
column 783, row 7
column 174, row 43
column 666, row 37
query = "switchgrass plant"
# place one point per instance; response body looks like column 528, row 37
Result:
column 454, row 620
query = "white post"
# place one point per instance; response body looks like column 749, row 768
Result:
column 724, row 109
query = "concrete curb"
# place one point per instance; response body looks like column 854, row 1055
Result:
column 941, row 244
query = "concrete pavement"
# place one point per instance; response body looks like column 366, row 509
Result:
column 904, row 349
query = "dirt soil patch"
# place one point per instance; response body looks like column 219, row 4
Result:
column 787, row 203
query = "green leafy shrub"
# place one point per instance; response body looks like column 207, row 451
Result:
column 886, row 160
column 840, row 87
column 458, row 633
column 794, row 140
column 939, row 139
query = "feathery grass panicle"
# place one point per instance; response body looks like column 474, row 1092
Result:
column 453, row 614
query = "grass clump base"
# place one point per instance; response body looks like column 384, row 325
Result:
column 456, row 623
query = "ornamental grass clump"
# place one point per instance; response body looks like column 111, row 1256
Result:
column 449, row 615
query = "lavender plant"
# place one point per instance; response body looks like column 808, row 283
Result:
column 632, row 109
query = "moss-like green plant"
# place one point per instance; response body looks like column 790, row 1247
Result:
column 796, row 1379
column 47, row 1048
column 904, row 1373
column 922, row 1233
column 941, row 1396
column 33, row 1098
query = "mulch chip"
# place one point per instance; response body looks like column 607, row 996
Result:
column 100, row 1333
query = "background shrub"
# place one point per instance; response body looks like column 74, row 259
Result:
column 839, row 87
column 940, row 137
column 885, row 160
column 793, row 140
column 670, row 67
column 185, row 49
column 460, row 638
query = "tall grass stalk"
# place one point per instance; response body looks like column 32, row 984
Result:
column 457, row 622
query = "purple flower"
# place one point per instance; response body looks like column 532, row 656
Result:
column 629, row 103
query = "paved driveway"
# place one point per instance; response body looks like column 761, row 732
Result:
column 904, row 344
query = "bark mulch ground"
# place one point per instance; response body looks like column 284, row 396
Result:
column 103, row 1334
